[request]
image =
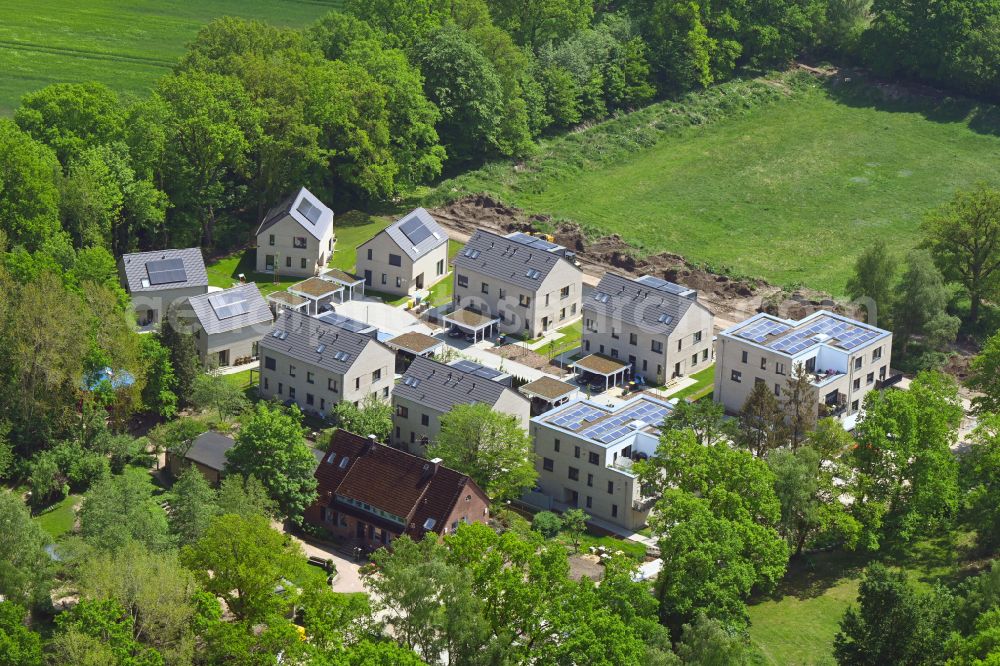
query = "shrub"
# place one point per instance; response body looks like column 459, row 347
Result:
column 546, row 523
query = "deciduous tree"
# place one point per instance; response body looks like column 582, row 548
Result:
column 920, row 304
column 192, row 506
column 122, row 508
column 25, row 572
column 373, row 417
column 19, row 645
column 798, row 401
column 490, row 447
column 761, row 421
column 215, row 391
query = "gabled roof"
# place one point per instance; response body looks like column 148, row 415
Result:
column 209, row 449
column 316, row 342
column 182, row 268
column 652, row 304
column 303, row 207
column 508, row 259
column 231, row 309
column 415, row 489
column 440, row 387
column 416, row 234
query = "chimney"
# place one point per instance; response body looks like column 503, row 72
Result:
column 370, row 445
column 434, row 465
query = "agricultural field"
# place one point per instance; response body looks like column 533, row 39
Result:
column 784, row 178
column 126, row 44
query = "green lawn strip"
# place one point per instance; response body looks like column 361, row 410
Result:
column 388, row 299
column 225, row 272
column 783, row 178
column 704, row 382
column 572, row 335
column 58, row 519
column 125, row 44
column 352, row 229
column 632, row 549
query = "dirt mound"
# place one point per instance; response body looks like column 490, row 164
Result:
column 732, row 300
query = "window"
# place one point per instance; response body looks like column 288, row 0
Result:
column 758, row 380
column 656, row 347
column 309, row 398
column 574, row 474
column 576, row 451
column 590, row 480
column 357, row 383
column 425, row 420
column 501, row 293
column 555, row 445
column 310, row 377
column 269, row 363
column 614, row 353
column 369, row 254
column 854, row 406
column 857, row 383
column 679, row 345
column 614, row 332
column 704, row 354
column 590, row 502
column 302, row 262
column 736, row 376
column 377, row 375
column 299, row 242
column 485, row 288
column 288, row 262
column 697, row 337
column 523, row 301
column 395, row 260
column 572, row 309
column 871, row 377
column 385, row 392
column 463, row 280
column 779, row 367
column 546, row 300
column 281, row 388
column 614, row 510
column 270, row 239
column 611, row 487
column 633, row 339
column 384, row 276
column 593, row 458
column 586, row 345
column 440, row 267
column 877, row 354
column 694, row 359
column 547, row 464
column 564, row 292
column 402, row 411
column 291, row 371
column 322, row 404
column 763, row 363
column 397, row 432
column 777, row 390
column 399, row 282
column 857, row 363
column 331, row 385
column 291, row 392
column 744, row 357
column 413, row 437
column 562, row 314
column 266, row 384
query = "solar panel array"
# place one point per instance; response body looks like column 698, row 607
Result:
column 309, row 211
column 415, row 230
column 228, row 304
column 847, row 335
column 574, row 417
column 663, row 285
column 476, row 369
column 166, row 271
column 760, row 331
column 620, row 424
column 533, row 241
column 346, row 323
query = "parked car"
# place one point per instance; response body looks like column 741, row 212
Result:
column 455, row 333
column 470, row 337
column 597, row 386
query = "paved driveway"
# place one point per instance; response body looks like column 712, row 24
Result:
column 386, row 317
column 348, row 579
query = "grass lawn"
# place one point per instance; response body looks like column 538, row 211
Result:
column 224, row 273
column 126, row 44
column 704, row 383
column 633, row 549
column 241, row 379
column 788, row 185
column 353, row 229
column 572, row 335
column 797, row 625
column 58, row 519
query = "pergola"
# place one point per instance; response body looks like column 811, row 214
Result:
column 546, row 393
column 283, row 300
column 348, row 281
column 412, row 344
column 472, row 322
column 317, row 291
column 605, row 366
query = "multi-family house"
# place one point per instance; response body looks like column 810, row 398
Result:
column 317, row 364
column 158, row 280
column 370, row 494
column 227, row 325
column 409, row 255
column 529, row 284
column 657, row 328
column 584, row 452
column 845, row 359
column 296, row 237
column 430, row 389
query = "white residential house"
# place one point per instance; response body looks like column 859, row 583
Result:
column 161, row 279
column 296, row 237
column 228, row 324
column 409, row 255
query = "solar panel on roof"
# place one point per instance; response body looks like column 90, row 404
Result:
column 415, row 230
column 309, row 211
column 166, row 271
column 346, row 323
column 228, row 304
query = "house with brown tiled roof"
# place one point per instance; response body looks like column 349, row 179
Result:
column 370, row 494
